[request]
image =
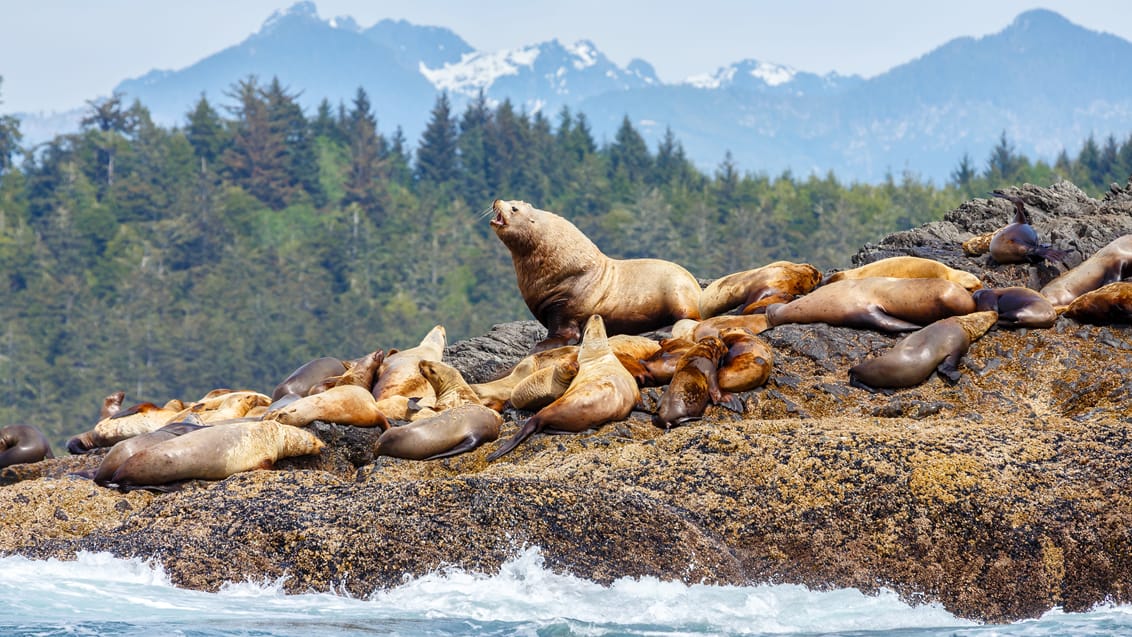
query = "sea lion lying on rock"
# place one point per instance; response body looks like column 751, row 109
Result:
column 1110, row 264
column 885, row 304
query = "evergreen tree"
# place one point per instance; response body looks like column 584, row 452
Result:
column 477, row 184
column 1089, row 163
column 206, row 132
column 326, row 124
column 366, row 149
column 1003, row 164
column 287, row 120
column 436, row 154
column 629, row 159
column 964, row 174
column 109, row 122
column 9, row 138
column 257, row 159
column 397, row 160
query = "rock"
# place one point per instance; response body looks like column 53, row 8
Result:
column 1001, row 497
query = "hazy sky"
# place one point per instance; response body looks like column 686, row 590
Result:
column 56, row 54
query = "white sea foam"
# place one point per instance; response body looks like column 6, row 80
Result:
column 98, row 593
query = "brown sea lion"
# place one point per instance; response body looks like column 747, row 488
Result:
column 694, row 384
column 122, row 450
column 692, row 330
column 222, row 406
column 545, row 386
column 308, row 375
column 495, row 393
column 1017, row 307
column 880, row 303
column 448, row 384
column 361, row 372
column 345, row 405
column 601, row 392
column 138, row 419
column 662, row 365
column 564, row 278
column 937, row 347
column 1110, row 264
column 1018, row 242
column 748, row 362
column 20, row 444
column 1107, row 305
column 400, row 374
column 214, row 453
column 908, row 267
column 448, row 433
column 112, row 404
column 778, row 282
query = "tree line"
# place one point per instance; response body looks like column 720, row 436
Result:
column 228, row 250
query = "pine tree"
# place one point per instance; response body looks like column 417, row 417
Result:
column 9, row 138
column 964, row 174
column 366, row 149
column 206, row 133
column 477, row 184
column 436, row 154
column 629, row 159
column 287, row 119
column 1003, row 164
column 257, row 159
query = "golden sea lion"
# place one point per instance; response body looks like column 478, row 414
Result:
column 754, row 323
column 748, row 362
column 21, row 444
column 908, row 267
column 400, row 374
column 564, row 278
column 694, row 384
column 544, row 386
column 112, row 404
column 937, row 347
column 601, row 392
column 214, row 453
column 360, row 372
column 880, row 303
column 448, row 384
column 778, row 282
column 1107, row 305
column 662, row 365
column 496, row 393
column 122, row 450
column 308, row 375
column 345, row 405
column 1110, row 264
column 138, row 419
column 1018, row 242
column 1017, row 307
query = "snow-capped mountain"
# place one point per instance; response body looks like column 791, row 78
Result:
column 1045, row 82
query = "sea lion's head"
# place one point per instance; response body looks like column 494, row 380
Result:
column 516, row 223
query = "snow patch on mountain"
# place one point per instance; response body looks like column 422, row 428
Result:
column 477, row 71
column 766, row 72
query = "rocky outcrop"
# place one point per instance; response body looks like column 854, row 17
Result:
column 1001, row 496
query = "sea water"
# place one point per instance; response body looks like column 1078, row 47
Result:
column 102, row 595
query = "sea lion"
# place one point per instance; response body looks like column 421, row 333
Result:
column 564, row 278
column 138, row 419
column 545, row 386
column 496, row 393
column 1107, row 305
column 662, row 365
column 886, row 304
column 360, row 372
column 111, row 405
column 21, row 444
column 214, row 453
column 122, row 450
column 215, row 407
column 978, row 245
column 400, row 374
column 1110, row 264
column 448, row 384
column 1017, row 307
column 694, row 384
column 695, row 330
column 601, row 392
column 451, row 432
column 345, row 405
column 937, row 347
column 308, row 375
column 908, row 267
column 1018, row 242
column 778, row 282
column 748, row 362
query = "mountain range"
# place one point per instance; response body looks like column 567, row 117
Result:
column 1043, row 81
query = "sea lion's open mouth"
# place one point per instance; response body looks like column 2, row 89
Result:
column 499, row 221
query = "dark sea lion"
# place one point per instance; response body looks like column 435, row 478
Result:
column 345, row 405
column 778, row 282
column 138, row 419
column 937, row 347
column 1017, row 307
column 128, row 447
column 21, row 444
column 1018, row 242
column 360, row 372
column 112, row 404
column 308, row 375
column 908, row 267
column 602, row 391
column 564, row 278
column 1110, row 264
column 694, row 384
column 400, row 375
column 545, row 386
column 448, row 433
column 748, row 362
column 662, row 365
column 214, row 453
column 1107, row 305
column 886, row 304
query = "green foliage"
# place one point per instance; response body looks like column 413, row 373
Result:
column 167, row 263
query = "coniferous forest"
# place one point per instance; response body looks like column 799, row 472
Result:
column 228, row 250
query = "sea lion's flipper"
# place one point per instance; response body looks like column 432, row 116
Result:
column 467, row 444
column 859, row 384
column 949, row 368
column 732, row 402
column 529, row 427
column 877, row 318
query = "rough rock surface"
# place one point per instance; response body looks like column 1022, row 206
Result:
column 1001, row 497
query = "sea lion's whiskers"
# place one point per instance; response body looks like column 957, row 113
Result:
column 487, row 212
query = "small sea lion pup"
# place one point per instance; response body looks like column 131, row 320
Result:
column 21, row 444
column 399, row 376
column 602, row 391
column 886, row 304
column 937, row 347
column 1018, row 241
column 462, row 425
column 753, row 290
column 564, row 278
column 694, row 384
column 908, row 267
column 1109, row 305
column 1110, row 264
column 1017, row 307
